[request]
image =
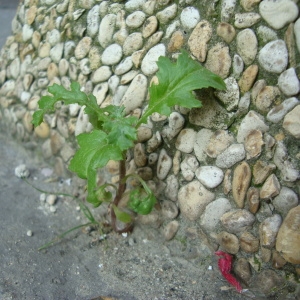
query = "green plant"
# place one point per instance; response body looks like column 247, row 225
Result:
column 114, row 133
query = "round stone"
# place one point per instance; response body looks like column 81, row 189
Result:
column 288, row 82
column 247, row 45
column 273, row 57
column 189, row 17
column 149, row 65
column 210, row 176
column 136, row 19
column 112, row 54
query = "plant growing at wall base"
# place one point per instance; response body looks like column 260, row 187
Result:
column 114, row 133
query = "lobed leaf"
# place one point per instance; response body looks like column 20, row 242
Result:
column 176, row 83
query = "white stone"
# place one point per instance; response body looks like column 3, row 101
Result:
column 227, row 10
column 246, row 20
column 266, row 34
column 164, row 164
column 230, row 97
column 22, row 171
column 171, row 28
column 27, row 32
column 277, row 113
column 112, row 55
column 268, row 230
column 233, row 154
column 286, row 200
column 278, row 13
column 185, row 140
column 69, row 49
column 83, row 47
column 189, row 17
column 101, row 74
column 132, row 43
column 252, row 121
column 132, row 5
column 188, row 167
column 93, row 20
column 127, row 77
column 176, row 122
column 201, row 142
column 193, row 199
column 166, row 15
column 136, row 19
column 56, row 52
column 135, row 94
column 247, row 45
column 213, row 212
column 273, row 57
column 210, row 176
column 84, row 66
column 113, row 83
column 100, row 91
column 106, row 30
column 53, row 37
column 237, row 66
column 297, row 33
column 124, row 66
column 14, row 68
column 288, row 82
column 149, row 65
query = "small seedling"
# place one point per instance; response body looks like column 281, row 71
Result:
column 114, row 133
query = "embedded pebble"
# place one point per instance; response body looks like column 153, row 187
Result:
column 185, row 140
column 277, row 113
column 171, row 190
column 286, row 200
column 231, row 95
column 93, row 20
column 164, row 164
column 249, row 5
column 135, row 94
column 228, row 242
column 193, row 198
column 268, row 230
column 218, row 60
column 21, row 171
column 248, row 242
column 262, row 170
column 218, row 142
column 201, row 141
column 237, row 220
column 270, row 188
column 171, row 229
column 112, row 54
column 106, row 30
column 240, row 183
column 278, row 13
column 248, row 78
column 227, row 186
column 242, row 270
column 101, row 74
column 149, row 65
column 136, row 19
column 175, row 124
column 253, row 143
column 188, row 167
column 288, row 238
column 227, row 10
column 124, row 66
column 213, row 212
column 251, row 121
column 166, row 15
column 198, row 39
column 189, row 17
column 245, row 20
column 237, row 66
column 210, row 176
column 284, row 164
column 226, row 31
column 29, row 233
column 273, row 57
column 232, row 155
column 100, row 91
column 291, row 122
column 83, row 47
column 51, row 199
column 169, row 209
column 132, row 43
column 139, row 153
column 247, row 45
column 297, row 33
column 56, row 52
column 149, row 26
column 288, row 82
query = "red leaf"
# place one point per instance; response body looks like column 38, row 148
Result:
column 225, row 265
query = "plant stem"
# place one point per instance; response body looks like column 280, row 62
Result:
column 118, row 197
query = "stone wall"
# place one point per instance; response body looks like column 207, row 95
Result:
column 231, row 167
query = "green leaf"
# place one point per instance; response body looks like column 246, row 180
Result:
column 141, row 202
column 176, row 83
column 121, row 215
column 94, row 153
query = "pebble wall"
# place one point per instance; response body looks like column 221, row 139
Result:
column 230, row 167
